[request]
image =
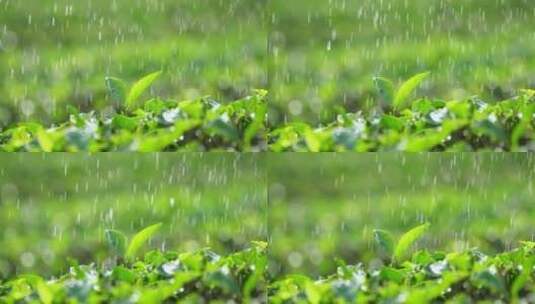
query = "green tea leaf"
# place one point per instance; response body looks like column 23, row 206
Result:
column 45, row 294
column 490, row 280
column 384, row 241
column 392, row 122
column 519, row 130
column 407, row 88
column 45, row 141
column 392, row 274
column 528, row 92
column 222, row 126
column 223, row 280
column 116, row 89
column 522, row 279
column 124, row 122
column 141, row 238
column 116, row 240
column 140, row 87
column 252, row 281
column 385, row 89
column 407, row 240
column 123, row 274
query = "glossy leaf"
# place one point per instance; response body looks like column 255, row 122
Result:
column 407, row 240
column 406, row 89
column 140, row 238
column 140, row 87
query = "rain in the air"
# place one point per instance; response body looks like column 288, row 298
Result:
column 115, row 226
column 244, row 75
column 217, row 94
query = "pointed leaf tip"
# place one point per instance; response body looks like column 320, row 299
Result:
column 407, row 240
column 140, row 87
column 407, row 88
column 140, row 239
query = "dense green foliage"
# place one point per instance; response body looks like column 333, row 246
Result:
column 426, row 277
column 428, row 124
column 317, row 55
column 396, row 123
column 152, row 126
column 79, row 223
column 205, row 277
column 159, row 277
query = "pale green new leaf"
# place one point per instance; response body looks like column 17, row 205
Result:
column 141, row 238
column 140, row 87
column 407, row 240
column 529, row 93
column 407, row 88
column 45, row 294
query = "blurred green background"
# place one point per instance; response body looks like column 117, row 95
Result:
column 323, row 54
column 57, row 52
column 325, row 206
column 56, row 206
column 317, row 57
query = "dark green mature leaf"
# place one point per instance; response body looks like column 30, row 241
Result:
column 392, row 275
column 161, row 277
column 385, row 89
column 223, row 127
column 123, row 274
column 490, row 280
column 116, row 241
column 159, row 126
column 384, row 241
column 124, row 122
column 242, row 277
column 392, row 122
column 116, row 89
column 523, row 278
